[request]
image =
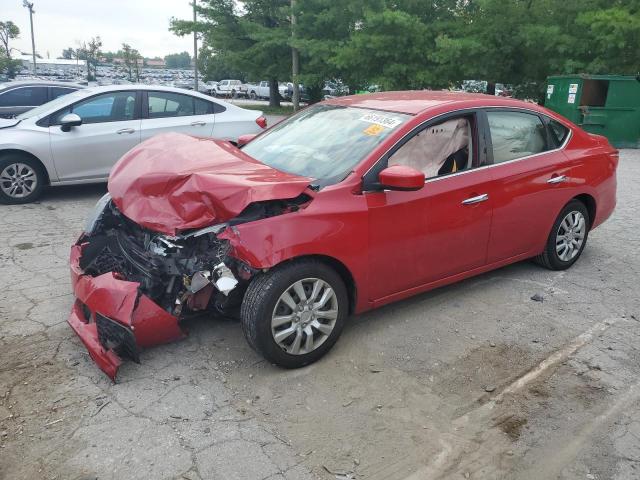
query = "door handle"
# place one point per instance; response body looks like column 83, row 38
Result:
column 557, row 179
column 480, row 198
column 125, row 130
column 198, row 123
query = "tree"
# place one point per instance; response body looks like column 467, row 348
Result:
column 8, row 31
column 91, row 52
column 69, row 53
column 178, row 60
column 128, row 57
column 253, row 38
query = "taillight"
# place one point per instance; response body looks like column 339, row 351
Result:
column 262, row 122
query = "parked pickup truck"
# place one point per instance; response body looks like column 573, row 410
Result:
column 258, row 90
column 230, row 88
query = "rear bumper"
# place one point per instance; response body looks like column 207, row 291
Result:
column 118, row 300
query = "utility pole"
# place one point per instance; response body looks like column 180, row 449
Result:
column 28, row 5
column 195, row 49
column 295, row 61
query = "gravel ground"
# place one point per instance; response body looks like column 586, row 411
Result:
column 475, row 380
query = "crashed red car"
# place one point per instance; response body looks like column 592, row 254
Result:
column 346, row 206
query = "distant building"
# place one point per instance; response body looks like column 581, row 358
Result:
column 120, row 61
column 156, row 63
column 52, row 63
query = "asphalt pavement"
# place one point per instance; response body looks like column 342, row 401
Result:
column 475, row 380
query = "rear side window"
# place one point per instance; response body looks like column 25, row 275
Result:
column 516, row 135
column 168, row 104
column 557, row 132
column 59, row 91
column 203, row 107
column 24, row 97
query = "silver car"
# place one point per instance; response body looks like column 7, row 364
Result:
column 77, row 138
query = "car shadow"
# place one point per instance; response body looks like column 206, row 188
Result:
column 73, row 192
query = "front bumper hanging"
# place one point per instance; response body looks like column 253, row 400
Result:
column 113, row 319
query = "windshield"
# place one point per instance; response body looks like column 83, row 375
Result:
column 53, row 105
column 324, row 142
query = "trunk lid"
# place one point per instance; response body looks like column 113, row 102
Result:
column 175, row 182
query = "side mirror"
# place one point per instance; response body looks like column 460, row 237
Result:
column 244, row 139
column 70, row 120
column 400, row 177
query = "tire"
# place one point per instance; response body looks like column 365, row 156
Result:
column 252, row 95
column 32, row 177
column 262, row 302
column 233, row 94
column 552, row 256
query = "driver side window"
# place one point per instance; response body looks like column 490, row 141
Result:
column 440, row 149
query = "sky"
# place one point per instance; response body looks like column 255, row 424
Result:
column 58, row 24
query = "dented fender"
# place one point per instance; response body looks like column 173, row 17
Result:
column 327, row 230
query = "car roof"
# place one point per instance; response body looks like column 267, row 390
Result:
column 41, row 83
column 415, row 102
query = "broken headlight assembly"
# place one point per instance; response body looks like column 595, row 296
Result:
column 96, row 214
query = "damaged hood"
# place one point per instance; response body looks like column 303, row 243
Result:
column 174, row 182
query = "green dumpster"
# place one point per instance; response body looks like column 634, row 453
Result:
column 608, row 105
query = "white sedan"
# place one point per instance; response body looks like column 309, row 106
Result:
column 77, row 138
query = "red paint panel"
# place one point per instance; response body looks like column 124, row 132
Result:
column 174, row 182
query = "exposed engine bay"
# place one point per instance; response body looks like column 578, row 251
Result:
column 183, row 274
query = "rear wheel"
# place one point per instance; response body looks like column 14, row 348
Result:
column 253, row 95
column 294, row 314
column 21, row 179
column 568, row 237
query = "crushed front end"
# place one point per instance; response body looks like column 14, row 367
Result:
column 134, row 286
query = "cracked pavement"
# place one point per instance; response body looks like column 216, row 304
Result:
column 474, row 380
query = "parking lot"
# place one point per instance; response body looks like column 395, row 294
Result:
column 475, row 380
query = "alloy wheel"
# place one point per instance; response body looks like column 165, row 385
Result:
column 18, row 180
column 304, row 316
column 570, row 235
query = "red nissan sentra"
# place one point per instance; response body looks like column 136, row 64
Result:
column 348, row 205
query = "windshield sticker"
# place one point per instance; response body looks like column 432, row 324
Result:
column 380, row 119
column 373, row 129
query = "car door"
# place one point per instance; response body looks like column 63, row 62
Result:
column 110, row 127
column 176, row 112
column 420, row 237
column 529, row 177
column 14, row 101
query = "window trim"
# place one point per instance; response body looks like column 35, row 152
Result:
column 22, row 87
column 47, row 121
column 370, row 177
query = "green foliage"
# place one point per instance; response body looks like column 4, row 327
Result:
column 8, row 65
column 8, row 31
column 178, row 60
column 413, row 44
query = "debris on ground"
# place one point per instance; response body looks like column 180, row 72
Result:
column 537, row 298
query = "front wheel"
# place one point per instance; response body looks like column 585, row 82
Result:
column 294, row 313
column 568, row 237
column 22, row 179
